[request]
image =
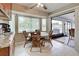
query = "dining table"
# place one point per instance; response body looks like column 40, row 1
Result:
column 41, row 34
column 45, row 35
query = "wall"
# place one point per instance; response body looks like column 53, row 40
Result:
column 63, row 27
column 77, row 29
column 2, row 21
column 48, row 24
column 18, row 36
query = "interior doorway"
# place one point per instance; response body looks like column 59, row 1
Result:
column 65, row 24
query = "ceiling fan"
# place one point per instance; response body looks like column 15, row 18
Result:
column 39, row 5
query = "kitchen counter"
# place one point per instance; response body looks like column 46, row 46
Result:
column 6, row 41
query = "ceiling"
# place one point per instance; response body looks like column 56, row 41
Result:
column 69, row 16
column 66, row 17
column 50, row 6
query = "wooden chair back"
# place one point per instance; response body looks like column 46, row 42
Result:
column 50, row 34
column 35, row 40
column 37, row 31
column 72, row 32
column 25, row 34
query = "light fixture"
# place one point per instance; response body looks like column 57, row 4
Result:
column 39, row 5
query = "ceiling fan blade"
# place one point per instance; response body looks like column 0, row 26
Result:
column 33, row 6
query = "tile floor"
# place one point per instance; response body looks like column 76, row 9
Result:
column 64, row 40
column 58, row 49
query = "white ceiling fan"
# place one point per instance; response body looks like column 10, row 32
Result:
column 39, row 5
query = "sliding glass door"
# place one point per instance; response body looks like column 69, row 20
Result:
column 56, row 26
column 69, row 25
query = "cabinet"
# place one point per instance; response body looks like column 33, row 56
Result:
column 4, row 51
column 8, row 50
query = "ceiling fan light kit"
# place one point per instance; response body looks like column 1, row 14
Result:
column 39, row 5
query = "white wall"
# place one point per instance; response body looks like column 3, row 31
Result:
column 2, row 21
column 77, row 29
column 63, row 27
column 48, row 22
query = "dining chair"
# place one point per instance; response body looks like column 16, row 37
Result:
column 27, row 38
column 47, row 38
column 38, row 31
column 50, row 37
column 36, row 41
column 71, row 34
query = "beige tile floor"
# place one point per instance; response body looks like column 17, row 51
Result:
column 64, row 40
column 58, row 49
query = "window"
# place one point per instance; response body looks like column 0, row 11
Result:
column 56, row 26
column 28, row 24
column 43, row 24
column 69, row 25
